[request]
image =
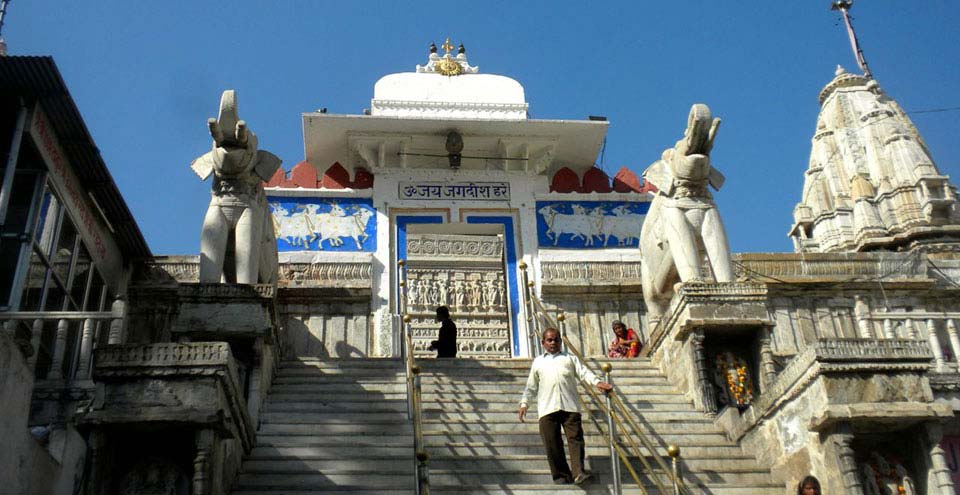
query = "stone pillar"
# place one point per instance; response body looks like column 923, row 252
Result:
column 934, row 341
column 954, row 340
column 862, row 313
column 59, row 348
column 96, row 452
column 939, row 481
column 708, row 400
column 843, row 438
column 768, row 369
column 201, row 462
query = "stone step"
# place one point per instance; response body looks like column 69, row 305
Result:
column 330, row 405
column 352, row 438
column 308, row 380
column 341, row 388
column 661, row 388
column 450, row 406
column 594, row 487
column 312, row 417
column 385, row 477
column 395, row 465
column 263, row 452
column 520, row 381
column 599, row 463
column 343, row 363
column 532, row 476
column 661, row 423
column 494, row 416
column 338, row 427
column 595, row 449
column 672, row 434
column 351, row 396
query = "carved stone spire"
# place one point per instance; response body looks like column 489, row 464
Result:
column 871, row 182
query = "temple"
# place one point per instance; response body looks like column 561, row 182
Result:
column 292, row 355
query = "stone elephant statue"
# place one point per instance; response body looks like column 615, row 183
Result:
column 683, row 222
column 238, row 227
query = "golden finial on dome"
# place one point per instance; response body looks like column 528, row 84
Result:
column 447, row 47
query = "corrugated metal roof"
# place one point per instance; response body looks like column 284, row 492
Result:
column 37, row 79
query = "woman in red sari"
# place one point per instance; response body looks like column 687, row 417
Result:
column 625, row 343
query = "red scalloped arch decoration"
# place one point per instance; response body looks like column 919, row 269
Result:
column 626, row 181
column 304, row 175
column 336, row 177
column 596, row 180
column 565, row 181
column 279, row 179
column 362, row 179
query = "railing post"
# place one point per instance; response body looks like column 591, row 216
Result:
column 954, row 340
column 402, row 283
column 563, row 330
column 528, row 309
column 910, row 329
column 119, row 309
column 614, row 459
column 934, row 341
column 423, row 473
column 59, row 348
column 35, row 335
column 86, row 348
column 674, row 452
column 423, row 479
column 405, row 342
column 888, row 332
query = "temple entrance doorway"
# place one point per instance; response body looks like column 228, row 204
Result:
column 461, row 266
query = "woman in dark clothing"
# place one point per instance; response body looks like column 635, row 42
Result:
column 446, row 343
column 809, row 486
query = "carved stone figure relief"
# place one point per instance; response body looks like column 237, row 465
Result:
column 464, row 273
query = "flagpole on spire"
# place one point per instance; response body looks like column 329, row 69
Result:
column 844, row 7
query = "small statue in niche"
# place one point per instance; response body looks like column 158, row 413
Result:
column 733, row 376
column 882, row 477
column 442, row 288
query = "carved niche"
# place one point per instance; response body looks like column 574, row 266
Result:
column 466, row 274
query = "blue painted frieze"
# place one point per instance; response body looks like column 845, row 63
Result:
column 590, row 224
column 324, row 224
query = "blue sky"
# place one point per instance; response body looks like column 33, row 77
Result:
column 147, row 75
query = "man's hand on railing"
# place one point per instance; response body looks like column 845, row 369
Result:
column 604, row 387
column 523, row 413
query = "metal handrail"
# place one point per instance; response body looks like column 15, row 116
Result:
column 414, row 399
column 630, row 429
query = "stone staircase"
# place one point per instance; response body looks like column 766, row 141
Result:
column 340, row 426
column 333, row 426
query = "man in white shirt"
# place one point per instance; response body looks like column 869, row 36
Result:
column 553, row 380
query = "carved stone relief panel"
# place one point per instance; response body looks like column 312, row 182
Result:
column 464, row 273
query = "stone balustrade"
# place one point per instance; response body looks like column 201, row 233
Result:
column 169, row 270
column 75, row 334
column 776, row 268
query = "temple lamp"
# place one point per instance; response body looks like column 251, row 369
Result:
column 454, row 146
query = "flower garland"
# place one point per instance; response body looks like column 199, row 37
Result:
column 737, row 375
column 891, row 474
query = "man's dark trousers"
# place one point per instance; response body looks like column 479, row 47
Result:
column 550, row 433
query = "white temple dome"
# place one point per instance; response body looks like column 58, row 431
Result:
column 463, row 94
